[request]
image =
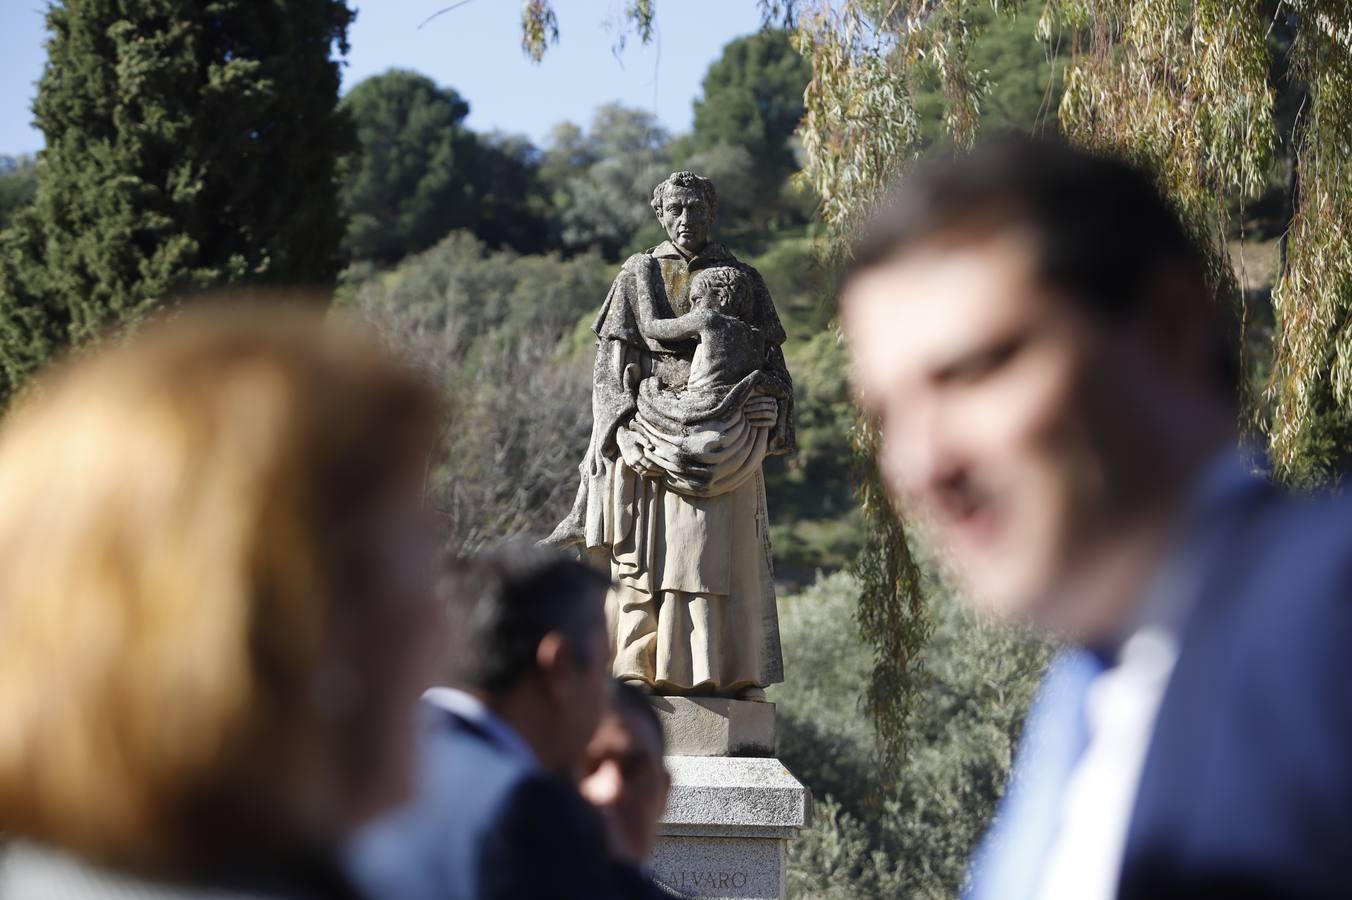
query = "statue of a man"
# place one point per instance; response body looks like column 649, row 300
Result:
column 690, row 395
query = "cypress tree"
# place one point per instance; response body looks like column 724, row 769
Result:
column 190, row 144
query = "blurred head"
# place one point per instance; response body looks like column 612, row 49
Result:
column 215, row 582
column 685, row 205
column 721, row 288
column 624, row 775
column 528, row 635
column 1031, row 327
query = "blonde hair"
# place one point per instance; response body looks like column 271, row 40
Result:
column 177, row 515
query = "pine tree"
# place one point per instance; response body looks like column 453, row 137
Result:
column 415, row 177
column 190, row 144
column 753, row 98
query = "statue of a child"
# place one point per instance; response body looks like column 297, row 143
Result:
column 729, row 348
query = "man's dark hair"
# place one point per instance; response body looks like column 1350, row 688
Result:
column 1103, row 228
column 501, row 605
column 629, row 699
column 1104, row 232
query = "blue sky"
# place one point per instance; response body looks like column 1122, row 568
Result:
column 475, row 49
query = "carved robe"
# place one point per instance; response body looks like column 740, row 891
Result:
column 693, row 610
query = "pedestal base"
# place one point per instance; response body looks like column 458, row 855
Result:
column 716, row 726
column 726, row 829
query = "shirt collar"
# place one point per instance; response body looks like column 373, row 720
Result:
column 464, row 705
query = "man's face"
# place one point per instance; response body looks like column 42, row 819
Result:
column 625, row 778
column 389, row 640
column 687, row 218
column 588, row 681
column 1007, row 418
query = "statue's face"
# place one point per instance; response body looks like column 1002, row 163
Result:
column 687, row 218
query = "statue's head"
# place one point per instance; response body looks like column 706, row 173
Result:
column 722, row 288
column 685, row 205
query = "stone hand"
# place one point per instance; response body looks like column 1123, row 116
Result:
column 632, row 450
column 761, row 412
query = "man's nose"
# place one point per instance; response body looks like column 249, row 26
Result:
column 916, row 457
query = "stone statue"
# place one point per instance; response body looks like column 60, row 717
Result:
column 690, row 394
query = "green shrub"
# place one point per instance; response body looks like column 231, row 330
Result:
column 911, row 835
column 494, row 328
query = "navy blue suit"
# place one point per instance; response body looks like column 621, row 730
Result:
column 487, row 826
column 1247, row 785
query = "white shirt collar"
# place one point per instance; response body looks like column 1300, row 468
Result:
column 470, row 708
column 1122, row 703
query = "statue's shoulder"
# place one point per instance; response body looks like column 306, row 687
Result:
column 616, row 319
column 637, row 264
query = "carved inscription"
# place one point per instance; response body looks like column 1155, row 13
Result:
column 705, row 881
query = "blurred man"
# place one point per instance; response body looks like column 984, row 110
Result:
column 624, row 776
column 498, row 813
column 1032, row 330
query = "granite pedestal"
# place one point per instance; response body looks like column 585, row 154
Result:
column 733, row 808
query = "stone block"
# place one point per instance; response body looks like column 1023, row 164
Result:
column 727, row 825
column 747, row 868
column 714, row 726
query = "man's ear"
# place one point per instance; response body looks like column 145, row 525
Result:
column 553, row 657
column 1179, row 323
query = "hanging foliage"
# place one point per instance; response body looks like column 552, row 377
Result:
column 539, row 28
column 540, row 25
column 1181, row 87
column 1311, row 387
column 859, row 134
column 892, row 613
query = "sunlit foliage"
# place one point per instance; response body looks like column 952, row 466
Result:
column 1311, row 437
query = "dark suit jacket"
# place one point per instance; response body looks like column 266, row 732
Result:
column 486, row 826
column 1247, row 786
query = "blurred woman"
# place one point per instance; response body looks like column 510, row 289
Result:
column 215, row 575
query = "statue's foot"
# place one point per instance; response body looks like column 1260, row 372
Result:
column 753, row 693
column 638, row 683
